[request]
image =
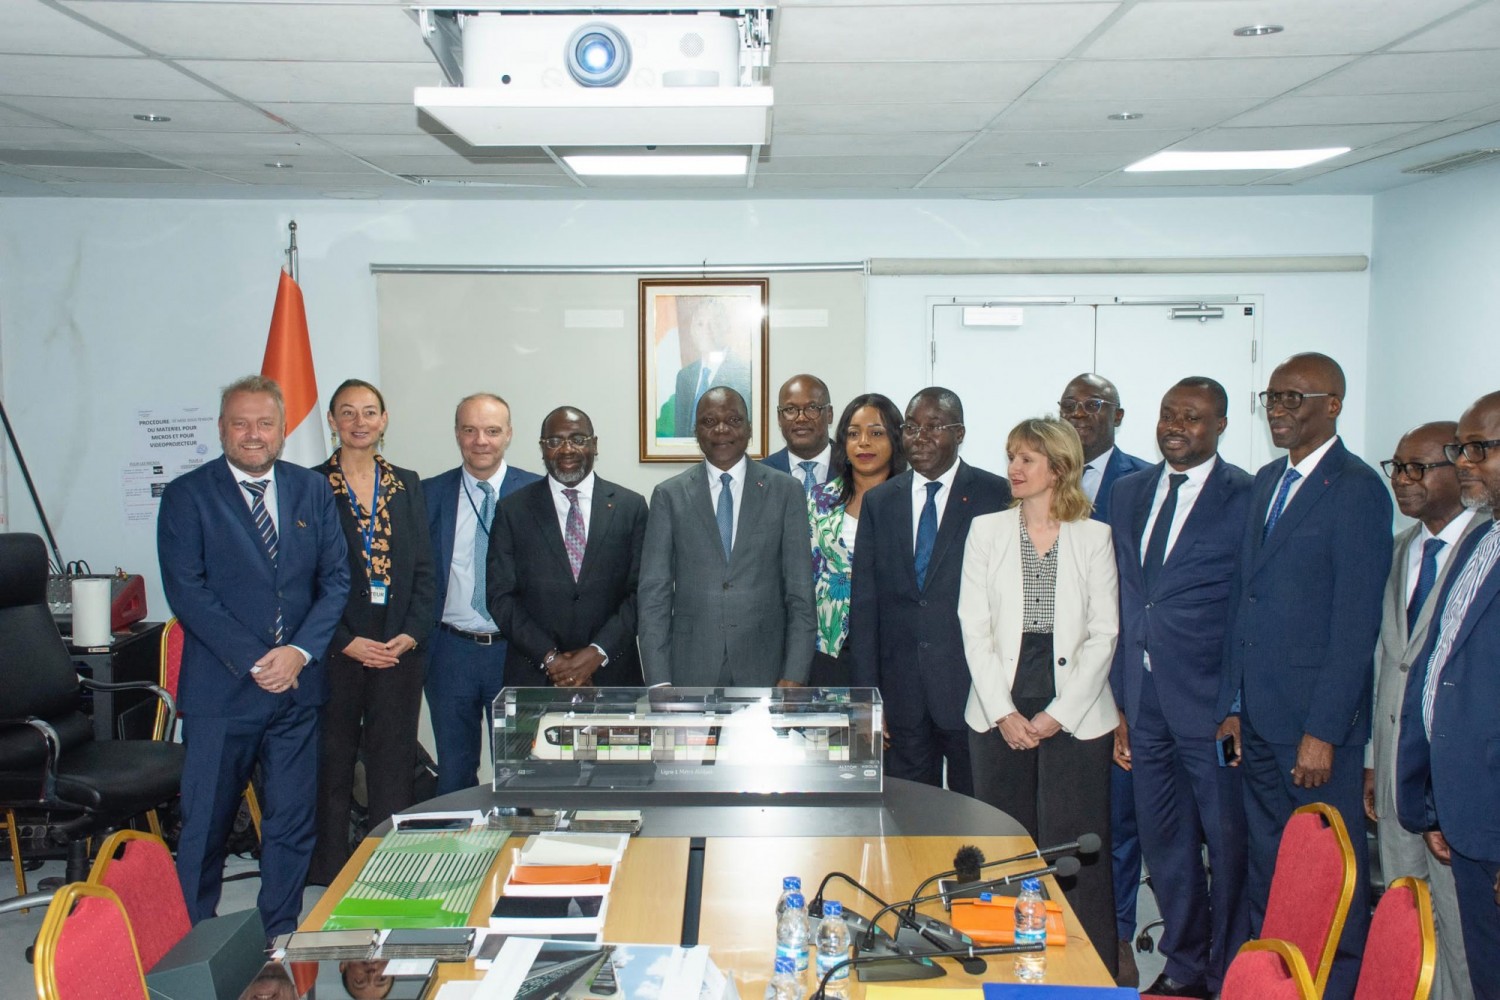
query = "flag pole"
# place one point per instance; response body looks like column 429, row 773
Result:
column 291, row 250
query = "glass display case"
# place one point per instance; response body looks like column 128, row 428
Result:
column 678, row 739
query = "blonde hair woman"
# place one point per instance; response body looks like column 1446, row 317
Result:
column 1039, row 608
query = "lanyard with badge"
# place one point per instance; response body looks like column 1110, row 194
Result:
column 378, row 589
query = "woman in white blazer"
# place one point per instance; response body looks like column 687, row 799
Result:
column 1039, row 607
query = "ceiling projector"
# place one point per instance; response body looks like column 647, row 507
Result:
column 589, row 79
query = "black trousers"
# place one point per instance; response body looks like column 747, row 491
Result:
column 379, row 708
column 1057, row 791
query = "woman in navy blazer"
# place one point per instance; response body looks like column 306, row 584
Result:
column 375, row 668
column 1039, row 607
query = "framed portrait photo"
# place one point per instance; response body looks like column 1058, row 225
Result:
column 696, row 334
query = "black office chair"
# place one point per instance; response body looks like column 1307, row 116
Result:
column 49, row 761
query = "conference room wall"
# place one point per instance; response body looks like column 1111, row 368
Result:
column 112, row 306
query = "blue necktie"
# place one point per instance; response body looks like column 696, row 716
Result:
column 1426, row 577
column 482, row 550
column 267, row 529
column 1279, row 505
column 927, row 533
column 725, row 513
column 809, row 476
column 1156, row 548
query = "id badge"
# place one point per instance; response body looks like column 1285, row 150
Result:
column 377, row 593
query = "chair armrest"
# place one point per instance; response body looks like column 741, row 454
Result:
column 156, row 689
column 54, row 746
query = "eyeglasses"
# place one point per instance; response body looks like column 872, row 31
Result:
column 1413, row 470
column 1289, row 400
column 556, row 441
column 1472, row 451
column 811, row 411
column 1091, row 405
column 912, row 430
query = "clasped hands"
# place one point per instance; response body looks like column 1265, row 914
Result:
column 574, row 668
column 1023, row 734
column 277, row 671
column 380, row 655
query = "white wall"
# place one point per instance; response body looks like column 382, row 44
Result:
column 110, row 306
column 1434, row 314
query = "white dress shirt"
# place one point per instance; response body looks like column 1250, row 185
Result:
column 1187, row 495
column 1451, row 533
column 458, row 609
column 822, row 461
column 1093, row 474
column 1304, row 469
column 560, row 504
column 736, row 490
column 919, row 497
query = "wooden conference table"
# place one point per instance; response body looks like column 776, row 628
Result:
column 710, row 874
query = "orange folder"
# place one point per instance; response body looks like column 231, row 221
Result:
column 995, row 922
column 561, row 874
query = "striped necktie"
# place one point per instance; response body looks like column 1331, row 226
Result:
column 809, row 476
column 267, row 529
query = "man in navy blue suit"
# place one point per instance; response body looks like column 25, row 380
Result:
column 1301, row 643
column 254, row 564
column 903, row 616
column 1091, row 403
column 1448, row 763
column 805, row 416
column 1177, row 530
column 466, row 667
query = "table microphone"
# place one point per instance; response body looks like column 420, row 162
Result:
column 1087, row 843
column 971, row 952
column 858, row 925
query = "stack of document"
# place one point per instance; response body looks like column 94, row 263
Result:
column 329, row 946
column 544, row 916
column 528, row 969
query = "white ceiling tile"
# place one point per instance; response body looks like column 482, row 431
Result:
column 84, row 76
column 1293, row 137
column 459, row 167
column 835, row 182
column 1026, row 177
column 401, row 118
column 413, row 144
column 22, row 137
column 903, row 83
column 346, row 82
column 303, row 162
column 851, row 165
column 38, row 29
column 164, row 143
column 1369, row 110
column 1477, row 28
column 1060, row 163
column 1487, row 113
column 187, row 116
column 282, row 31
column 1206, row 79
column 1428, row 133
column 885, row 118
column 15, row 116
column 1414, row 73
column 1031, row 113
column 1060, row 143
column 454, row 183
column 321, row 181
column 935, row 32
column 85, row 175
column 824, row 144
column 1205, row 28
column 1207, row 179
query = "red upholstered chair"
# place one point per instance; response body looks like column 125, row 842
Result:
column 85, row 949
column 1401, row 949
column 1267, row 969
column 138, row 868
column 1312, row 887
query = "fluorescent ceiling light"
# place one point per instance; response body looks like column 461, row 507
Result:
column 1243, row 159
column 658, row 166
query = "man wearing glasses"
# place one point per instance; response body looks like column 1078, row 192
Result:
column 564, row 560
column 805, row 417
column 1426, row 489
column 1448, row 762
column 903, row 615
column 1306, row 614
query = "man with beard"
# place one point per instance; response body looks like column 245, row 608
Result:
column 564, row 561
column 1448, row 763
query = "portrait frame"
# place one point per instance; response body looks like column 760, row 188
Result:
column 683, row 322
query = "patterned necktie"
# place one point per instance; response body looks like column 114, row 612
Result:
column 267, row 529
column 1426, row 577
column 809, row 476
column 1279, row 505
column 1156, row 548
column 1088, row 482
column 482, row 551
column 725, row 513
column 573, row 537
column 927, row 527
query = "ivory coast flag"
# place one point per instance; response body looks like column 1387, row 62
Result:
column 289, row 361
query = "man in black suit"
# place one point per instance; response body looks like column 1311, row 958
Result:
column 1091, row 403
column 564, row 558
column 903, row 620
column 722, row 359
column 1177, row 530
column 805, row 416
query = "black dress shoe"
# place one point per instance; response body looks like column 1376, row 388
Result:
column 1166, row 986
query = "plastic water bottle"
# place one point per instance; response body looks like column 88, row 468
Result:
column 785, row 984
column 789, row 885
column 1031, row 927
column 791, row 931
column 833, row 948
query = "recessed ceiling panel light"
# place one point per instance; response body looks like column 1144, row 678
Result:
column 1126, row 116
column 1256, row 30
column 154, row 119
column 1241, row 159
column 658, row 166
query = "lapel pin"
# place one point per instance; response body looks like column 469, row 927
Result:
column 610, row 506
column 301, row 524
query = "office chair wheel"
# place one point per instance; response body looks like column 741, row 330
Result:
column 51, row 883
column 1144, row 943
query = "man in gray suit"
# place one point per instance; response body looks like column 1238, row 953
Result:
column 1426, row 488
column 725, row 594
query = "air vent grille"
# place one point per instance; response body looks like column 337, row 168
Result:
column 1459, row 161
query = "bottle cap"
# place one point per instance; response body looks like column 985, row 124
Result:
column 786, row 964
column 1031, row 885
column 794, row 901
column 832, row 908
column 986, row 897
column 791, row 884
